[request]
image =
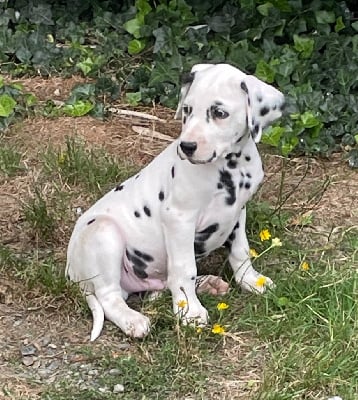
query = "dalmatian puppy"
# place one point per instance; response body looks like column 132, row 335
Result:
column 146, row 233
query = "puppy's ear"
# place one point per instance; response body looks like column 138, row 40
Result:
column 187, row 80
column 264, row 104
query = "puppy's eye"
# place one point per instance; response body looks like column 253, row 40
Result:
column 219, row 113
column 187, row 110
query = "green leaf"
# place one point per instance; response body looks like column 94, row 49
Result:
column 135, row 46
column 355, row 25
column 85, row 66
column 325, row 17
column 303, row 45
column 78, row 109
column 264, row 9
column 339, row 24
column 288, row 145
column 309, row 120
column 133, row 98
column 272, row 135
column 265, row 71
column 133, row 26
column 7, row 105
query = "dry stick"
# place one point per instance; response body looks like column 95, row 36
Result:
column 280, row 203
column 137, row 114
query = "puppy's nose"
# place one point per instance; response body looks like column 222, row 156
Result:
column 188, row 148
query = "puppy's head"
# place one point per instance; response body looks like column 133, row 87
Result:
column 220, row 106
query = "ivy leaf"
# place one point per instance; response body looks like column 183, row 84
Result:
column 309, row 120
column 133, row 26
column 163, row 73
column 135, row 46
column 265, row 71
column 264, row 9
column 7, row 105
column 78, row 109
column 303, row 45
column 41, row 14
column 339, row 24
column 85, row 66
column 325, row 17
column 272, row 135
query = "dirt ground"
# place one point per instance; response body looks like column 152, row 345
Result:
column 325, row 189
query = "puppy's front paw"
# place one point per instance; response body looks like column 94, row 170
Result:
column 255, row 283
column 192, row 313
column 136, row 324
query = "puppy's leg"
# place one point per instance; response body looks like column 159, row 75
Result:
column 95, row 260
column 245, row 275
column 179, row 231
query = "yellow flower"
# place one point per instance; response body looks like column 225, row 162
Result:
column 182, row 303
column 222, row 306
column 199, row 330
column 265, row 235
column 253, row 253
column 218, row 329
column 261, row 281
column 276, row 242
column 305, row 266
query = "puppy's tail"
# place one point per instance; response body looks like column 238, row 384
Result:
column 97, row 315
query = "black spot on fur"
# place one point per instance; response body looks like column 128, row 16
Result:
column 244, row 87
column 238, row 155
column 264, row 111
column 91, row 221
column 137, row 176
column 259, row 99
column 144, row 256
column 207, row 115
column 236, row 225
column 173, row 171
column 220, row 185
column 248, row 175
column 247, row 185
column 228, row 183
column 202, row 236
column 161, row 195
column 184, row 119
column 138, row 264
column 241, row 184
column 247, row 158
column 256, row 129
column 147, row 211
column 193, row 278
column 232, row 164
column 136, row 214
column 119, row 187
column 239, row 139
column 232, row 236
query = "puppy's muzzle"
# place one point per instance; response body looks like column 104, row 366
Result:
column 188, row 148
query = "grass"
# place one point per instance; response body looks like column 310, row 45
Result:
column 299, row 341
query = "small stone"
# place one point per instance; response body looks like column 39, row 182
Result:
column 29, row 350
column 119, row 388
column 52, row 346
column 28, row 360
column 93, row 372
column 102, row 389
column 54, row 365
column 114, row 372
